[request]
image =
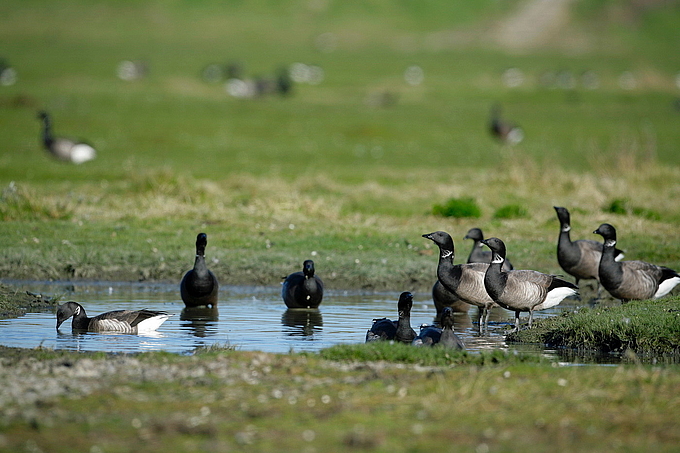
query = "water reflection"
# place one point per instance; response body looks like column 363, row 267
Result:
column 302, row 321
column 200, row 321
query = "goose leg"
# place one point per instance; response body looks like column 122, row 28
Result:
column 486, row 318
column 480, row 319
column 516, row 329
column 531, row 318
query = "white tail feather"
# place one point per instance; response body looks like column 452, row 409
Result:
column 666, row 287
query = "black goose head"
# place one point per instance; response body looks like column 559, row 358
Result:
column 201, row 242
column 447, row 317
column 563, row 216
column 497, row 247
column 405, row 304
column 475, row 234
column 308, row 268
column 608, row 233
column 442, row 239
column 66, row 310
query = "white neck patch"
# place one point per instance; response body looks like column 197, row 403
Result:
column 566, row 228
column 610, row 243
column 497, row 258
column 447, row 253
column 77, row 311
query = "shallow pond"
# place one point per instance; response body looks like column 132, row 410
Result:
column 248, row 318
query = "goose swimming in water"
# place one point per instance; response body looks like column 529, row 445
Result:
column 385, row 329
column 123, row 321
column 303, row 289
column 199, row 286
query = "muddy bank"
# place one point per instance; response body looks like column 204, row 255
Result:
column 15, row 303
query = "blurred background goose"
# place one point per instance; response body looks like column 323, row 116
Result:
column 124, row 321
column 303, row 289
column 400, row 330
column 632, row 280
column 503, row 130
column 523, row 290
column 443, row 298
column 580, row 259
column 64, row 149
column 199, row 286
column 466, row 281
column 478, row 254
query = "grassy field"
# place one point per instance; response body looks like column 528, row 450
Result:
column 328, row 169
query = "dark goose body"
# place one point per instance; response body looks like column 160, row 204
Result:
column 199, row 286
column 629, row 280
column 581, row 258
column 523, row 290
column 124, row 321
column 400, row 330
column 444, row 337
column 303, row 289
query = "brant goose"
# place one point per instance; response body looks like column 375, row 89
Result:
column 385, row 329
column 123, row 321
column 199, row 285
column 522, row 290
column 445, row 337
column 303, row 289
column 64, row 149
column 477, row 254
column 581, row 258
column 628, row 280
column 466, row 281
column 503, row 130
column 442, row 297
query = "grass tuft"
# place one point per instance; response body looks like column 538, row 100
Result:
column 458, row 208
column 511, row 211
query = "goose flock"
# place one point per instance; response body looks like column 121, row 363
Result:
column 486, row 280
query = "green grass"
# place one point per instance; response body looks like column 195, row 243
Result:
column 289, row 402
column 647, row 328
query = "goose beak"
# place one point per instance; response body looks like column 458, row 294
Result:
column 427, row 236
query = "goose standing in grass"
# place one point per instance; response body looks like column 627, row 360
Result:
column 580, row 259
column 65, row 149
column 199, row 286
column 466, row 281
column 123, row 321
column 400, row 330
column 303, row 289
column 503, row 130
column 478, row 254
column 522, row 290
column 632, row 280
column 444, row 336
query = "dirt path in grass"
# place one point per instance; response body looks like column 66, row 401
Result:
column 534, row 24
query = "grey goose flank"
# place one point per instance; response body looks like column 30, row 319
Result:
column 628, row 280
column 523, row 290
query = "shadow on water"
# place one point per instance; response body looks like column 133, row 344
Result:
column 199, row 320
column 302, row 321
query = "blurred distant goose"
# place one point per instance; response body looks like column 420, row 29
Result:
column 199, row 286
column 628, row 280
column 523, row 290
column 123, row 321
column 400, row 330
column 442, row 298
column 64, row 149
column 478, row 254
column 503, row 130
column 303, row 289
column 580, row 259
column 466, row 281
column 444, row 336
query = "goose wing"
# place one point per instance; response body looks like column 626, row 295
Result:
column 640, row 279
column 471, row 287
column 529, row 287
